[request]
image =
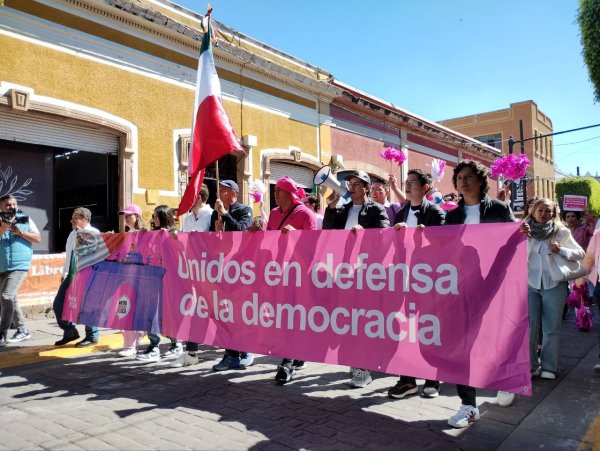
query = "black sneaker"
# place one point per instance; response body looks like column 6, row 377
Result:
column 285, row 373
column 67, row 339
column 86, row 342
column 402, row 390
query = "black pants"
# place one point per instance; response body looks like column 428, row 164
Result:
column 413, row 380
column 467, row 395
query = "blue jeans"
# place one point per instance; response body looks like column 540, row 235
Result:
column 545, row 305
column 69, row 328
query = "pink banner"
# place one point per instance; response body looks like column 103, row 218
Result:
column 446, row 303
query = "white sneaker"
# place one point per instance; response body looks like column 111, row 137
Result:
column 548, row 375
column 360, row 378
column 149, row 355
column 174, row 351
column 464, row 416
column 505, row 398
column 185, row 360
column 128, row 352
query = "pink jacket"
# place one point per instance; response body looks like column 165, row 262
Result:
column 591, row 260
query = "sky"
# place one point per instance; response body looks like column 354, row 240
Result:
column 441, row 58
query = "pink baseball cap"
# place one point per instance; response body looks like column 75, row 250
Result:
column 132, row 209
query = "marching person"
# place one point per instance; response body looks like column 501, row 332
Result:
column 290, row 214
column 80, row 220
column 162, row 219
column 231, row 216
column 312, row 203
column 419, row 213
column 18, row 234
column 380, row 193
column 133, row 222
column 471, row 180
column 546, row 296
column 198, row 220
column 360, row 213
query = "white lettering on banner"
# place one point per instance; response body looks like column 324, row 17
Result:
column 424, row 328
column 216, row 271
column 421, row 278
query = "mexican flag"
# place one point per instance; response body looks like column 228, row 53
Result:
column 213, row 136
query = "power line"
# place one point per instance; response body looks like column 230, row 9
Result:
column 576, row 142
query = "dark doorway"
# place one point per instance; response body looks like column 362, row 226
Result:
column 85, row 179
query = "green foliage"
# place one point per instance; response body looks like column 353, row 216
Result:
column 589, row 25
column 580, row 186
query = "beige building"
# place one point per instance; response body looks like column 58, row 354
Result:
column 495, row 127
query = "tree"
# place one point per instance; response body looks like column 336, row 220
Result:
column 589, row 18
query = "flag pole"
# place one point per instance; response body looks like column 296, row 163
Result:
column 208, row 13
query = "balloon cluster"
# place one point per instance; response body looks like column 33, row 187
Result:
column 394, row 155
column 437, row 169
column 510, row 167
column 256, row 191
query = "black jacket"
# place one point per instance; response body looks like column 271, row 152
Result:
column 429, row 214
column 372, row 216
column 490, row 210
column 237, row 219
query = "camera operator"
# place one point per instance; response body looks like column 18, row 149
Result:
column 18, row 233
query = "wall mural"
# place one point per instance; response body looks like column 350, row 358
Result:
column 8, row 182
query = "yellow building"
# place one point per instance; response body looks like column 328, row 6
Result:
column 495, row 127
column 96, row 104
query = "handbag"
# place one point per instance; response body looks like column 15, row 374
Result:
column 562, row 269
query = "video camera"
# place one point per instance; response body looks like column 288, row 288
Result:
column 10, row 217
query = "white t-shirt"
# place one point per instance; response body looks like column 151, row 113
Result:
column 472, row 214
column 198, row 223
column 411, row 219
column 352, row 218
column 32, row 227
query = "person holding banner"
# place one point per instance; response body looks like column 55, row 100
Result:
column 471, row 180
column 360, row 213
column 231, row 216
column 133, row 222
column 290, row 214
column 162, row 219
column 198, row 220
column 546, row 295
column 419, row 213
column 80, row 220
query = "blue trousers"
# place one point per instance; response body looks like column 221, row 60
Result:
column 545, row 307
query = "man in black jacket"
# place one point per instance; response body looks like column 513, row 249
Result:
column 420, row 213
column 471, row 180
column 360, row 213
column 231, row 216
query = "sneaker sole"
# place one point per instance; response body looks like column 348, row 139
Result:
column 11, row 340
column 359, row 385
column 431, row 395
column 412, row 391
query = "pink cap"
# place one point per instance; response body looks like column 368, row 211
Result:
column 132, row 209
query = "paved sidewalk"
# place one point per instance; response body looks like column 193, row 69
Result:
column 66, row 399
